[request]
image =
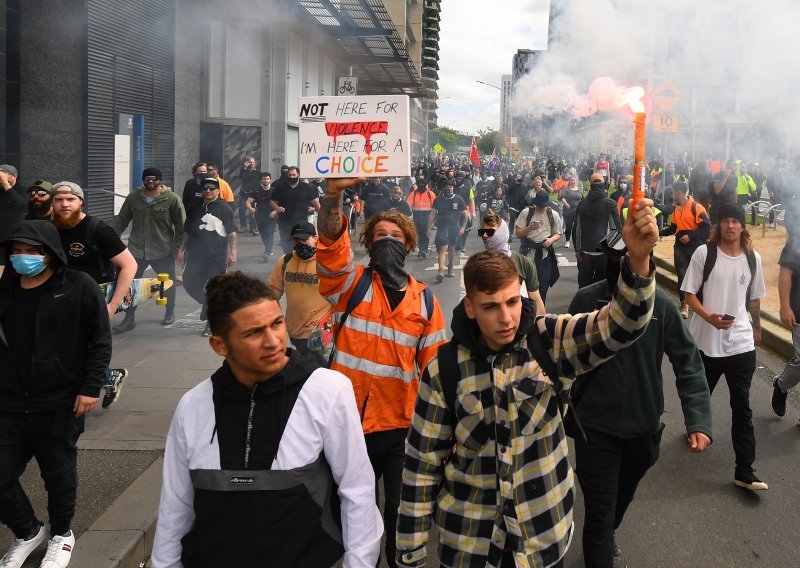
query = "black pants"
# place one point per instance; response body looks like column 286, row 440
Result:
column 285, row 232
column 591, row 269
column 266, row 229
column 609, row 470
column 51, row 438
column 683, row 254
column 386, row 453
column 160, row 265
column 738, row 371
column 197, row 273
column 544, row 270
column 569, row 221
column 421, row 223
column 507, row 561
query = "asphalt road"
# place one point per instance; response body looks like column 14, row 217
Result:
column 687, row 512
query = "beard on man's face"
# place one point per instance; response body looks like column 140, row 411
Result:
column 39, row 208
column 68, row 222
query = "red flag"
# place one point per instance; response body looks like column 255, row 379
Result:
column 473, row 154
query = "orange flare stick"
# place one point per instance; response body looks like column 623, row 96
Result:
column 638, row 158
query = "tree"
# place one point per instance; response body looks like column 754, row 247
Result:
column 447, row 137
column 489, row 141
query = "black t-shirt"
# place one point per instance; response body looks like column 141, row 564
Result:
column 377, row 198
column 261, row 199
column 19, row 325
column 192, row 193
column 394, row 297
column 727, row 193
column 295, row 200
column 402, row 206
column 208, row 226
column 81, row 256
column 448, row 210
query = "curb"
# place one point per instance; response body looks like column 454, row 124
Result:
column 122, row 537
column 773, row 334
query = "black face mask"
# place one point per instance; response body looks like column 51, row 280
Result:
column 305, row 251
column 388, row 257
column 294, row 182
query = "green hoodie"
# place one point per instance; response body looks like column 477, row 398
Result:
column 625, row 397
column 157, row 226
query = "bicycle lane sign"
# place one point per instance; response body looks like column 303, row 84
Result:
column 347, row 86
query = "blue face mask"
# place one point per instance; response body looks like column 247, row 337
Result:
column 28, row 264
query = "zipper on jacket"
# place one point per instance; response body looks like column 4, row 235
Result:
column 249, row 426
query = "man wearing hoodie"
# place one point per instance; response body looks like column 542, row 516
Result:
column 262, row 457
column 157, row 218
column 486, row 454
column 596, row 214
column 296, row 275
column 55, row 346
column 619, row 405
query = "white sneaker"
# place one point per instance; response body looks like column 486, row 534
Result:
column 59, row 551
column 21, row 549
column 566, row 245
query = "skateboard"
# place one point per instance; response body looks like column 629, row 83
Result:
column 141, row 290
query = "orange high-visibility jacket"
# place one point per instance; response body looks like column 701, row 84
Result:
column 688, row 217
column 383, row 352
column 421, row 201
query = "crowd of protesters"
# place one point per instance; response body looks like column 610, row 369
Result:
column 358, row 380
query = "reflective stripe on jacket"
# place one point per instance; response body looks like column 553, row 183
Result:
column 421, row 201
column 382, row 351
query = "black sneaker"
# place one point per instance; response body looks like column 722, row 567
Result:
column 126, row 324
column 169, row 318
column 778, row 398
column 114, row 387
column 748, row 480
column 618, row 559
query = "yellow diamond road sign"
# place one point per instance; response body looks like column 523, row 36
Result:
column 438, row 149
column 667, row 95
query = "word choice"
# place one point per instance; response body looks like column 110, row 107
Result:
column 351, row 165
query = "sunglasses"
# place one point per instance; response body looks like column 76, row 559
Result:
column 210, row 188
column 151, row 178
column 39, row 192
column 486, row 232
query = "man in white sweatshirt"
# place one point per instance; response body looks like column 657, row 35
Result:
column 265, row 462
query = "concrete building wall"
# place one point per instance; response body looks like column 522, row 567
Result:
column 52, row 90
column 505, row 106
column 189, row 94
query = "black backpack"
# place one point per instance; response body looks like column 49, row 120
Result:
column 711, row 260
column 525, row 243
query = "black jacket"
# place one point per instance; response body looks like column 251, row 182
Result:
column 72, row 348
column 595, row 215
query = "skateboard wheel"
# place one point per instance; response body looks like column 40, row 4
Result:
column 163, row 277
column 161, row 301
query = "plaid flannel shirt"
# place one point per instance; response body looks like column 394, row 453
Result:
column 507, row 480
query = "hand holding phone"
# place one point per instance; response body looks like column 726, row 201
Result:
column 728, row 317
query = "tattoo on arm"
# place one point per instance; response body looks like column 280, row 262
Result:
column 329, row 222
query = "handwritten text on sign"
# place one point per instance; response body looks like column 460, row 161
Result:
column 365, row 136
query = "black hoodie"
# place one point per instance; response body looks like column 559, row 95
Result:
column 596, row 214
column 72, row 346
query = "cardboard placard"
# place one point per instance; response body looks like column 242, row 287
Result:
column 365, row 136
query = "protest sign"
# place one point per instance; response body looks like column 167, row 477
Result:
column 366, row 136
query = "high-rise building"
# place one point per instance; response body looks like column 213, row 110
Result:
column 431, row 16
column 505, row 106
column 522, row 125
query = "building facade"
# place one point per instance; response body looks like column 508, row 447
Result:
column 104, row 88
column 506, row 127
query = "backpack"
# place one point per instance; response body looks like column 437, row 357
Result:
column 322, row 338
column 525, row 244
column 711, row 260
column 106, row 269
column 538, row 345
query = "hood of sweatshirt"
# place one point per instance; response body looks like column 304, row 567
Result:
column 467, row 333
